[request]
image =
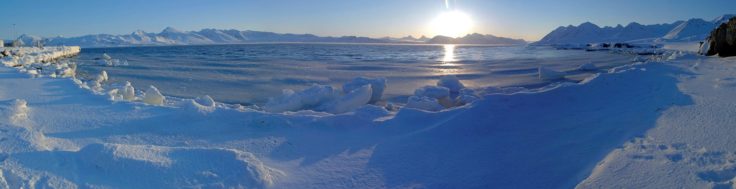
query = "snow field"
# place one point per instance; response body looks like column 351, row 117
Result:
column 65, row 137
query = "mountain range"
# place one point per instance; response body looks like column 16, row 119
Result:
column 172, row 36
column 695, row 29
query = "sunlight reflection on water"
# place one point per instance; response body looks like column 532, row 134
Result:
column 449, row 55
column 448, row 67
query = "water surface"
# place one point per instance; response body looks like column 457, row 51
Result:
column 250, row 73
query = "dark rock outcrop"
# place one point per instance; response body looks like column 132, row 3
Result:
column 722, row 40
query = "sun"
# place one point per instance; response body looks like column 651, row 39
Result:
column 452, row 24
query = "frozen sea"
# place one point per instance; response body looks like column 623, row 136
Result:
column 250, row 73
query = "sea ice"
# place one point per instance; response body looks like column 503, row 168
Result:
column 451, row 82
column 352, row 100
column 548, row 74
column 309, row 98
column 288, row 101
column 424, row 103
column 128, row 92
column 153, row 96
column 433, row 92
column 204, row 104
column 377, row 85
column 587, row 67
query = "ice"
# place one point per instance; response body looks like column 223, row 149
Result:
column 466, row 96
column 424, row 103
column 317, row 95
column 548, row 74
column 106, row 60
column 106, row 57
column 99, row 80
column 436, row 92
column 352, row 100
column 378, row 85
column 451, row 82
column 309, row 98
column 128, row 92
column 153, row 96
column 288, row 101
column 102, row 77
column 587, row 67
column 204, row 104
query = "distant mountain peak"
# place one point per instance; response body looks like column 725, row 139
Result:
column 691, row 30
column 171, row 30
column 172, row 36
column 587, row 25
column 475, row 38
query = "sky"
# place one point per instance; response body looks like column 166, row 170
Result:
column 527, row 19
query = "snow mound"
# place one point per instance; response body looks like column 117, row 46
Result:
column 548, row 74
column 153, row 96
column 15, row 111
column 424, row 103
column 451, row 82
column 351, row 101
column 19, row 133
column 378, row 85
column 204, row 104
column 147, row 166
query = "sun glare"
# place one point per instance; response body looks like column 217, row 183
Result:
column 452, row 24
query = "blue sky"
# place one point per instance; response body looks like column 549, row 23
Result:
column 528, row 19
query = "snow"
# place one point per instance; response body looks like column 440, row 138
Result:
column 203, row 105
column 692, row 30
column 656, row 123
column 689, row 146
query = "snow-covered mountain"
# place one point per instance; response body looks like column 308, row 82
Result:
column 173, row 36
column 695, row 29
column 476, row 38
column 690, row 30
